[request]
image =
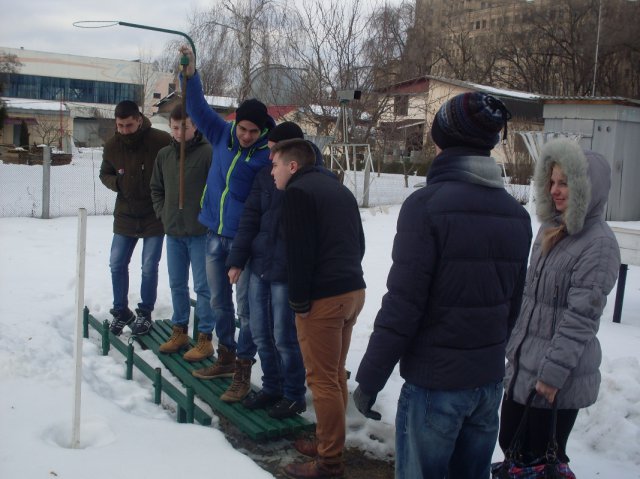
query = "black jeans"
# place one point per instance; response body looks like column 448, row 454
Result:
column 536, row 434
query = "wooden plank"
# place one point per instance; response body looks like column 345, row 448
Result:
column 257, row 424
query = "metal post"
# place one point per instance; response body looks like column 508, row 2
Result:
column 190, row 405
column 85, row 323
column 157, row 386
column 129, row 362
column 46, row 181
column 106, row 345
column 622, row 281
column 77, row 351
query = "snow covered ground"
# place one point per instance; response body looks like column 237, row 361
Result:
column 125, row 435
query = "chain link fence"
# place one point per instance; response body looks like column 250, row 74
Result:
column 72, row 186
column 77, row 185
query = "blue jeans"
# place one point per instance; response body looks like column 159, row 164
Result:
column 446, row 433
column 273, row 328
column 183, row 251
column 218, row 248
column 121, row 251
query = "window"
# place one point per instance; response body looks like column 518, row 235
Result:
column 401, row 105
column 70, row 89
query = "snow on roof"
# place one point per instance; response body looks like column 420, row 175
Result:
column 29, row 104
column 221, row 101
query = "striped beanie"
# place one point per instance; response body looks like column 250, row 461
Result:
column 470, row 119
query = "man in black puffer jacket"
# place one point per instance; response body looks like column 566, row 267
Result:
column 454, row 290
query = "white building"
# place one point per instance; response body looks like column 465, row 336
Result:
column 85, row 90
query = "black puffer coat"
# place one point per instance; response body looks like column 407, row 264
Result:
column 454, row 289
column 260, row 236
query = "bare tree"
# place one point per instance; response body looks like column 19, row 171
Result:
column 8, row 64
column 50, row 131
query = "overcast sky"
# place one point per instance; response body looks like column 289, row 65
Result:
column 46, row 25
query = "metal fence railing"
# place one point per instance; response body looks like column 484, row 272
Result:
column 77, row 185
column 71, row 187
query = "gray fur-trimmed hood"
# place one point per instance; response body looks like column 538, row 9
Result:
column 588, row 177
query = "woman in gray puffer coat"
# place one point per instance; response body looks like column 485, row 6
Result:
column 574, row 263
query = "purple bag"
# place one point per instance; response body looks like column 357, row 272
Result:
column 546, row 467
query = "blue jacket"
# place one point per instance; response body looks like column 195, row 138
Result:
column 454, row 289
column 260, row 237
column 233, row 168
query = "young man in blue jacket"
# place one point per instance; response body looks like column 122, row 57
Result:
column 240, row 150
column 454, row 291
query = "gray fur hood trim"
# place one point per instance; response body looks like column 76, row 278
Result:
column 589, row 179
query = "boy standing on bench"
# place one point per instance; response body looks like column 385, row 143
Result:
column 186, row 237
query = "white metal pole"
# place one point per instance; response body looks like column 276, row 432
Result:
column 77, row 351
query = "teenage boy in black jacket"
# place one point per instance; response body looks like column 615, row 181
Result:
column 325, row 246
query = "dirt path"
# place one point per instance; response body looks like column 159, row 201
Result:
column 272, row 456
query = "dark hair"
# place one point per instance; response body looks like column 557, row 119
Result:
column 176, row 113
column 295, row 150
column 127, row 108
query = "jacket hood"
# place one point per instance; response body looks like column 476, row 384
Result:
column 588, row 177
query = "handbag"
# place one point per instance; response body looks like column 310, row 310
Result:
column 545, row 467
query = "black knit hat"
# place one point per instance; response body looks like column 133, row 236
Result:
column 254, row 111
column 286, row 130
column 470, row 119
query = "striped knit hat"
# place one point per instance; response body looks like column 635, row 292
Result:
column 470, row 119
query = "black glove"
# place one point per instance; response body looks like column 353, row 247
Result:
column 364, row 402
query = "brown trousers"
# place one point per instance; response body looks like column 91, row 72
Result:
column 324, row 336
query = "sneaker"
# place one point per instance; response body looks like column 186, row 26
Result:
column 121, row 318
column 260, row 400
column 142, row 324
column 286, row 408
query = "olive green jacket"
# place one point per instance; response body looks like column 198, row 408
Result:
column 127, row 165
column 165, row 190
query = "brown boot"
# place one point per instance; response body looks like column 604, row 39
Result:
column 316, row 469
column 179, row 339
column 241, row 384
column 222, row 368
column 202, row 350
column 307, row 446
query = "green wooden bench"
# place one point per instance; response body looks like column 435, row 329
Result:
column 257, row 424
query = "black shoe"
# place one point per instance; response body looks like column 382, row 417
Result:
column 260, row 400
column 142, row 324
column 286, row 408
column 121, row 318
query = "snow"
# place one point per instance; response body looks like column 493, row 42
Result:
column 124, row 434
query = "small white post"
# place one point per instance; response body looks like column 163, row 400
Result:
column 77, row 351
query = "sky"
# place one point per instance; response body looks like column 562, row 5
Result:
column 48, row 26
column 123, row 430
column 44, row 25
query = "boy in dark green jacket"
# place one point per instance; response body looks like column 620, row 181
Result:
column 186, row 237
